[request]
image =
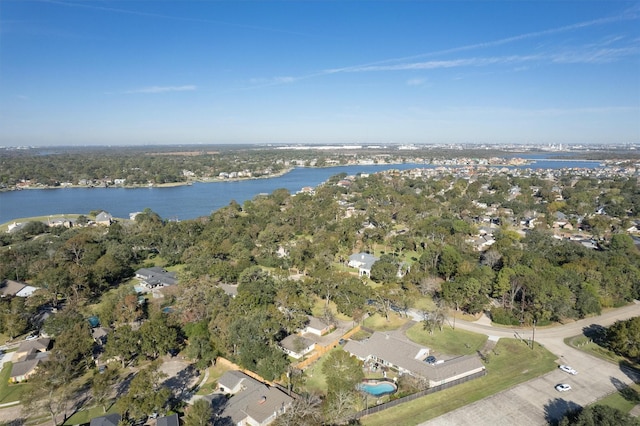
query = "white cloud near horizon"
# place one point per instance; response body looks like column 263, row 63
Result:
column 162, row 89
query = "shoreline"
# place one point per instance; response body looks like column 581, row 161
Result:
column 154, row 185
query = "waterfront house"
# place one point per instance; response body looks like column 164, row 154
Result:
column 104, row 218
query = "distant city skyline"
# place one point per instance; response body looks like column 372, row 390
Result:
column 337, row 72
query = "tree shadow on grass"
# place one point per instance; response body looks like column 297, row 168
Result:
column 555, row 409
column 596, row 332
column 626, row 391
column 630, row 369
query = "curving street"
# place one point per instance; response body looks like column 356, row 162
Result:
column 536, row 402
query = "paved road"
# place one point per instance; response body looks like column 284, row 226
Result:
column 536, row 402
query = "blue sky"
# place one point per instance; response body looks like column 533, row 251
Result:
column 88, row 72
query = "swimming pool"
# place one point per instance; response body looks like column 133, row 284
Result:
column 377, row 388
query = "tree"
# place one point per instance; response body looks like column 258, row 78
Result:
column 101, row 386
column 623, row 337
column 305, row 410
column 199, row 413
column 600, row 415
column 385, row 269
column 145, row 394
column 449, row 261
column 343, row 372
column 123, row 343
column 199, row 346
column 157, row 336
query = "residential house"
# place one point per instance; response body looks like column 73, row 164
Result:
column 407, row 357
column 317, row 326
column 9, row 288
column 104, row 218
column 362, row 261
column 156, row 277
column 252, row 402
column 297, row 346
column 27, row 357
column 106, row 420
column 99, row 335
column 171, row 420
column 16, row 226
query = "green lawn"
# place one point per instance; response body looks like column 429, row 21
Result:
column 587, row 345
column 447, row 341
column 510, row 363
column 85, row 416
column 379, row 323
column 10, row 392
column 624, row 400
column 315, row 378
column 215, row 372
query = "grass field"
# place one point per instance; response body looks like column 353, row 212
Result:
column 379, row 323
column 510, row 363
column 447, row 341
column 10, row 392
column 624, row 400
column 85, row 416
column 215, row 372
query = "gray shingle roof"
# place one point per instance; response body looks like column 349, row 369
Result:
column 256, row 400
column 108, row 420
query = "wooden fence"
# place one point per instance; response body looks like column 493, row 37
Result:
column 321, row 350
column 249, row 373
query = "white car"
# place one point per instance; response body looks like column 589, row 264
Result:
column 563, row 387
column 568, row 369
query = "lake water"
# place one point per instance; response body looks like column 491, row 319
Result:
column 188, row 202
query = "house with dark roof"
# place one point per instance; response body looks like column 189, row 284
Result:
column 362, row 261
column 408, row 357
column 171, row 420
column 156, row 277
column 106, row 420
column 252, row 402
column 104, row 218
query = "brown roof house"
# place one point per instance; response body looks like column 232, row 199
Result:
column 10, row 288
column 252, row 402
column 410, row 358
column 27, row 358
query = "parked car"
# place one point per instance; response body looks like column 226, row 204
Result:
column 563, row 387
column 568, row 369
column 430, row 360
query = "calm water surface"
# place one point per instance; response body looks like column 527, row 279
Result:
column 188, row 202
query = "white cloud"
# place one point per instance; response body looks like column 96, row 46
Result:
column 416, row 82
column 163, row 89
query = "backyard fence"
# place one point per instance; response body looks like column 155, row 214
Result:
column 321, row 350
column 417, row 395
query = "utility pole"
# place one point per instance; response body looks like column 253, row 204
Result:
column 533, row 337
